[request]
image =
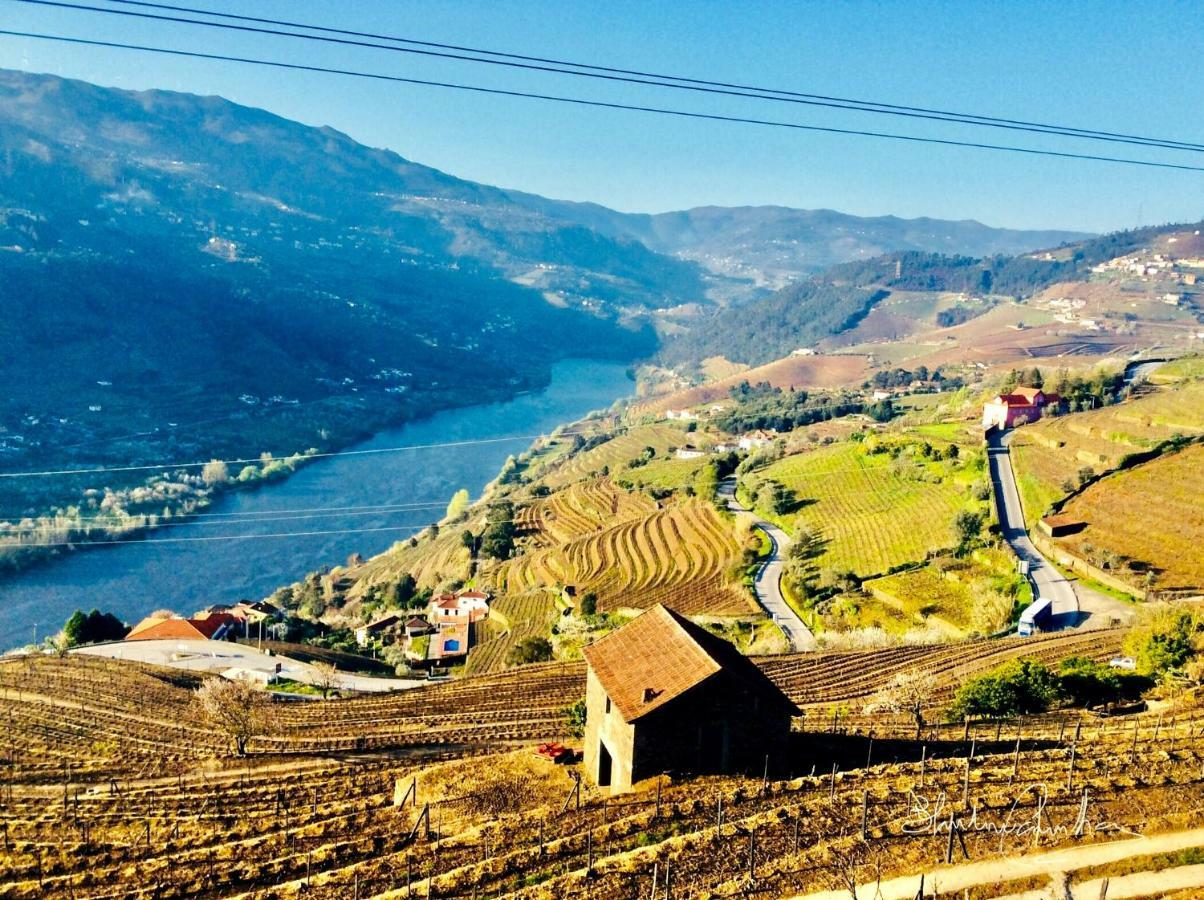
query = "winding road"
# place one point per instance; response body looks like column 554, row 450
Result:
column 1046, row 580
column 768, row 582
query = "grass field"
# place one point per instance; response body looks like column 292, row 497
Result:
column 874, row 512
column 682, row 555
column 1185, row 369
column 960, row 597
column 1152, row 514
column 670, row 474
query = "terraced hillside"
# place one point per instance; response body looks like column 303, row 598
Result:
column 614, row 453
column 1050, row 455
column 873, row 511
column 1145, row 524
column 512, row 618
column 577, row 510
column 331, row 806
column 680, row 555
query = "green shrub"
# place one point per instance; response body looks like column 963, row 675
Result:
column 1016, row 688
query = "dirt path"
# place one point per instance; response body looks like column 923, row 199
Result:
column 948, row 879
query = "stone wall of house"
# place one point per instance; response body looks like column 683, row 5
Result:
column 609, row 729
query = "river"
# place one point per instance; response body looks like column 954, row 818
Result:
column 210, row 560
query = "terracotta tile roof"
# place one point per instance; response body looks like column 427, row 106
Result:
column 660, row 655
column 475, row 595
column 148, row 622
column 198, row 629
column 448, row 603
column 1028, row 393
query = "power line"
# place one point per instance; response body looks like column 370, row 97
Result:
column 607, row 73
column 200, row 520
column 298, row 457
column 220, row 537
column 600, row 104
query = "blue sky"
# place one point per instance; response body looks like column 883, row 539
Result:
column 1132, row 67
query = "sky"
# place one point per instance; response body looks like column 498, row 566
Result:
column 1133, row 67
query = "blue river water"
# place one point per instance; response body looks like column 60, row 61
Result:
column 171, row 569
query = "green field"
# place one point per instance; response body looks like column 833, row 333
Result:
column 1179, row 370
column 874, row 511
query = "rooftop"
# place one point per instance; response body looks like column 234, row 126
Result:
column 659, row 656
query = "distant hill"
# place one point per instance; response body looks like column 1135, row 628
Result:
column 836, row 300
column 773, row 244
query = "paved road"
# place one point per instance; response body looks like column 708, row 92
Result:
column 951, row 879
column 217, row 656
column 768, row 582
column 1046, row 580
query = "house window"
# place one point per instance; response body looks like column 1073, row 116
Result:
column 608, row 705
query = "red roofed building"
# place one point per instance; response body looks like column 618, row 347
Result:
column 1023, row 404
column 211, row 627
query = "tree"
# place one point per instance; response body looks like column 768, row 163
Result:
column 589, row 603
column 967, row 525
column 93, row 628
column 458, row 503
column 73, row 630
column 405, row 590
column 530, row 650
column 238, row 709
column 1016, row 688
column 912, row 691
column 326, row 677
column 1165, row 642
column 215, row 472
column 804, row 549
column 468, row 541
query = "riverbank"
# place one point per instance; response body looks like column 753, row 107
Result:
column 249, row 543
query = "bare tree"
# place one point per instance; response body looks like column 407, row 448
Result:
column 326, row 677
column 912, row 691
column 239, row 709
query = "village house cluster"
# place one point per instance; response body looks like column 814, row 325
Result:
column 444, row 634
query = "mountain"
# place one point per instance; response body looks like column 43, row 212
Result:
column 772, row 245
column 184, row 277
column 837, row 300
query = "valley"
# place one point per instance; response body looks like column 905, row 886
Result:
column 367, row 531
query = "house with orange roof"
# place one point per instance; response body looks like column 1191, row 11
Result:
column 1020, row 405
column 210, row 627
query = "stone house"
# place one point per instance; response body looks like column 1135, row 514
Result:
column 666, row 695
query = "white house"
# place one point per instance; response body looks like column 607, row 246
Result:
column 689, row 451
column 681, row 415
column 755, row 439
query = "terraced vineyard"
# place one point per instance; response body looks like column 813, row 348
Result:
column 578, row 510
column 1048, row 455
column 614, row 453
column 1167, row 537
column 874, row 512
column 308, row 815
column 680, row 554
column 512, row 617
